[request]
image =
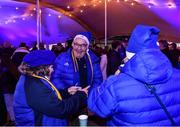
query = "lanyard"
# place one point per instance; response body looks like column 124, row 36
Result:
column 76, row 64
column 52, row 86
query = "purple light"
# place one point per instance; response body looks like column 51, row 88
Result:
column 18, row 23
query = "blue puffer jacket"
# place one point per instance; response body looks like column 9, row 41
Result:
column 25, row 115
column 65, row 74
column 124, row 99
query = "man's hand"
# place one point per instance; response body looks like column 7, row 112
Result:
column 85, row 89
column 73, row 89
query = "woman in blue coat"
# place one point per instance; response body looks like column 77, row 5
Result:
column 124, row 100
column 37, row 102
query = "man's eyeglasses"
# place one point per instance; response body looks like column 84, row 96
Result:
column 83, row 46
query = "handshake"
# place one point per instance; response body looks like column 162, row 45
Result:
column 73, row 89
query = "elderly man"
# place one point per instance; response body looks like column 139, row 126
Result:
column 133, row 96
column 77, row 68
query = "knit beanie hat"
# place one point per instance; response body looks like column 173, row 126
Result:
column 85, row 36
column 39, row 57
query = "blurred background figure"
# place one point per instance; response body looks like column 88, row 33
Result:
column 102, row 54
column 19, row 54
column 42, row 46
column 57, row 49
column 114, row 58
column 8, row 79
column 174, row 54
column 163, row 45
column 3, row 111
column 34, row 46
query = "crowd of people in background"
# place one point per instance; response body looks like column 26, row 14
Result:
column 108, row 60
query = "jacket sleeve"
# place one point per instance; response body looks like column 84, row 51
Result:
column 56, row 75
column 102, row 99
column 42, row 99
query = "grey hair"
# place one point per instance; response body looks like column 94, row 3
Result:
column 28, row 70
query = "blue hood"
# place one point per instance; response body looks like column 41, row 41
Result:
column 150, row 66
column 143, row 37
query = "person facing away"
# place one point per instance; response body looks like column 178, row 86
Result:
column 19, row 54
column 114, row 58
column 8, row 79
column 78, row 66
column 37, row 102
column 163, row 45
column 174, row 54
column 125, row 100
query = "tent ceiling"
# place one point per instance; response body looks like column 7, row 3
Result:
column 122, row 16
column 18, row 23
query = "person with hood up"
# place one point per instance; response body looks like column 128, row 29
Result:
column 125, row 99
column 37, row 102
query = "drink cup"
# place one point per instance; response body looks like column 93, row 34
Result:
column 83, row 120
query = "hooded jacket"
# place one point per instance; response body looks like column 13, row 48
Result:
column 36, row 104
column 65, row 75
column 125, row 100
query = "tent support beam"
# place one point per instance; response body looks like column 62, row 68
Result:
column 105, row 19
column 39, row 23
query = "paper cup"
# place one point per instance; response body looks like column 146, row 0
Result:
column 83, row 120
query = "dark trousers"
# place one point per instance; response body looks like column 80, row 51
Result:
column 3, row 111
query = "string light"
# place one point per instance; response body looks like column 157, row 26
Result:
column 93, row 3
column 81, row 11
column 12, row 19
column 68, row 7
